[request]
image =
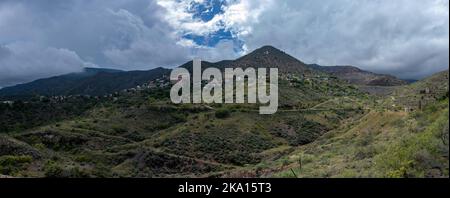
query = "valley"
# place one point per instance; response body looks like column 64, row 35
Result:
column 325, row 126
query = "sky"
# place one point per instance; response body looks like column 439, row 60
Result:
column 38, row 39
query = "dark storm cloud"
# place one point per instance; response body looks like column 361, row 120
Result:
column 21, row 62
column 117, row 34
column 407, row 38
column 4, row 52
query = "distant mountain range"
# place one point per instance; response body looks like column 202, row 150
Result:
column 358, row 76
column 92, row 81
column 99, row 81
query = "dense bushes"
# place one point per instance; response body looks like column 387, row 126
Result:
column 222, row 113
column 25, row 115
column 422, row 153
column 299, row 131
column 54, row 170
column 9, row 164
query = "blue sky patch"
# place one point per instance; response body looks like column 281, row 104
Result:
column 207, row 11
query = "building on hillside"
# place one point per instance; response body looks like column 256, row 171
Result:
column 407, row 109
column 7, row 102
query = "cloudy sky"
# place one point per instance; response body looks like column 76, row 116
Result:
column 42, row 38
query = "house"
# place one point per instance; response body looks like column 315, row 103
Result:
column 425, row 91
column 7, row 102
column 409, row 109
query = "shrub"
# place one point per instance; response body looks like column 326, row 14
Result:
column 77, row 172
column 9, row 165
column 119, row 129
column 222, row 113
column 82, row 158
column 9, row 160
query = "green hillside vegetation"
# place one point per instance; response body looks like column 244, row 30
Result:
column 419, row 94
column 380, row 144
column 22, row 115
column 324, row 127
column 141, row 134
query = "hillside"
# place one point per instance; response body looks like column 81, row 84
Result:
column 384, row 142
column 380, row 144
column 421, row 93
column 140, row 133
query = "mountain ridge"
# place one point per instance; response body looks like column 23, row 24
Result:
column 355, row 75
column 92, row 81
column 100, row 81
